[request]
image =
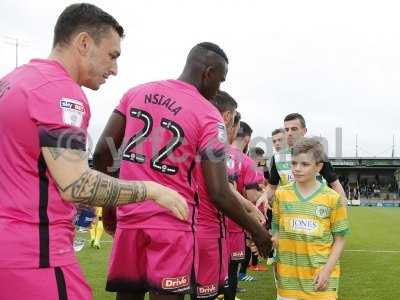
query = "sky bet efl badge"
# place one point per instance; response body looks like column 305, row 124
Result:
column 72, row 111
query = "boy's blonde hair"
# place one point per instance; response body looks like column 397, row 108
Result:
column 307, row 145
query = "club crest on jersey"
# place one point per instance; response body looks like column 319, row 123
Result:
column 321, row 211
column 222, row 136
column 175, row 283
column 72, row 111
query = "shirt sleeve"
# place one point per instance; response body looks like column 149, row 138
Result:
column 61, row 113
column 260, row 175
column 275, row 214
column 273, row 174
column 213, row 137
column 338, row 220
column 123, row 105
column 252, row 177
column 328, row 173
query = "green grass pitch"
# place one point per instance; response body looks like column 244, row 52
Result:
column 370, row 264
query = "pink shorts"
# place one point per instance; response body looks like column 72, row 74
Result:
column 58, row 283
column 236, row 246
column 161, row 261
column 212, row 272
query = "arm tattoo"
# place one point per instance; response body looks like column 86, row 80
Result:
column 96, row 189
column 68, row 154
column 56, row 152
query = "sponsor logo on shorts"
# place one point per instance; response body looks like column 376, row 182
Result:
column 207, row 290
column 237, row 255
column 175, row 283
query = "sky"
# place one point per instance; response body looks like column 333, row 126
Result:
column 335, row 62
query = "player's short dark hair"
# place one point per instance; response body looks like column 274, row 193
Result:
column 296, row 116
column 244, row 130
column 84, row 17
column 237, row 118
column 224, row 102
column 313, row 145
column 278, row 130
column 257, row 151
column 214, row 48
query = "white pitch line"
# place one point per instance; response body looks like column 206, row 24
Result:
column 346, row 250
column 374, row 251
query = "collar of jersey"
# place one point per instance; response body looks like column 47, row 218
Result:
column 309, row 197
column 184, row 83
column 53, row 62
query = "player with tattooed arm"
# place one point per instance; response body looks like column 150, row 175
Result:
column 44, row 171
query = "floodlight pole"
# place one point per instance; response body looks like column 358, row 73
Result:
column 356, row 145
column 16, row 52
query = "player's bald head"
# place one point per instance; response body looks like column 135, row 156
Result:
column 206, row 67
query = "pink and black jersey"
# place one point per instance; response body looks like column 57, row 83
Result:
column 250, row 176
column 210, row 221
column 168, row 124
column 260, row 174
column 40, row 106
column 243, row 171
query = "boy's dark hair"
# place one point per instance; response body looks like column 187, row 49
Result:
column 278, row 130
column 84, row 17
column 296, row 116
